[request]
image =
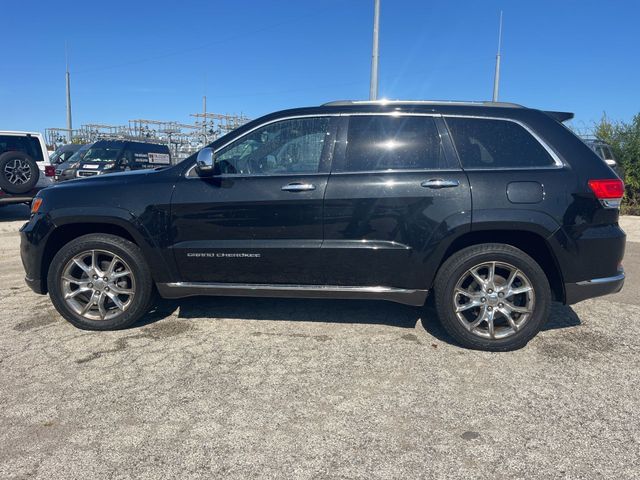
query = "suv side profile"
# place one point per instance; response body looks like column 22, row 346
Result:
column 495, row 208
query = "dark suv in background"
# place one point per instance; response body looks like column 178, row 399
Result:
column 111, row 156
column 495, row 208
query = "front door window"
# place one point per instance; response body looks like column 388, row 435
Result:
column 288, row 147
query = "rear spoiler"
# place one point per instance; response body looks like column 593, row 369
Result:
column 560, row 116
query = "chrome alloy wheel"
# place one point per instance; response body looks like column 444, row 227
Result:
column 493, row 300
column 98, row 284
column 17, row 171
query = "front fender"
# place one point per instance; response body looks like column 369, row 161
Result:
column 93, row 217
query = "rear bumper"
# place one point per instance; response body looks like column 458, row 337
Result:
column 576, row 292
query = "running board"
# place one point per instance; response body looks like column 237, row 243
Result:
column 191, row 289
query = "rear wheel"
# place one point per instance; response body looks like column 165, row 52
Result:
column 100, row 282
column 492, row 297
column 19, row 172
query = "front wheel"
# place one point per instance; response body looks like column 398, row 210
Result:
column 492, row 297
column 100, row 282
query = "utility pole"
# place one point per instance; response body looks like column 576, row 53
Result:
column 373, row 88
column 69, row 126
column 496, row 78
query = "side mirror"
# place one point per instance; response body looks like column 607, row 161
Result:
column 205, row 162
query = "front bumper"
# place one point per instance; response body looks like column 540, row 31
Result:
column 576, row 292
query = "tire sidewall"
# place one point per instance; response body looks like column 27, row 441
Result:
column 469, row 259
column 9, row 187
column 130, row 253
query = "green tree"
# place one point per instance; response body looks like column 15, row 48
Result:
column 624, row 139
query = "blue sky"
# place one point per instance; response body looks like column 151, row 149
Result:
column 151, row 60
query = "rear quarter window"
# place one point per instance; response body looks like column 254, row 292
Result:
column 491, row 143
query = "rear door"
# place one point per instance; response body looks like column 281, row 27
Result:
column 259, row 219
column 395, row 193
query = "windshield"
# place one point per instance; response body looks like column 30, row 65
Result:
column 55, row 156
column 101, row 154
column 79, row 155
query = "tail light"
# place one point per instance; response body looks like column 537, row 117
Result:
column 49, row 170
column 609, row 192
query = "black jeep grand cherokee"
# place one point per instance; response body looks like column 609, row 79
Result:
column 496, row 208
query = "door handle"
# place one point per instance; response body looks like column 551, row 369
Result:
column 298, row 187
column 439, row 183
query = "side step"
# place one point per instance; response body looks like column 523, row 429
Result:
column 191, row 289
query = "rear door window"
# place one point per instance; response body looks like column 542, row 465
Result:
column 491, row 143
column 385, row 142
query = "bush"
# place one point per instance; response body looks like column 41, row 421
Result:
column 624, row 139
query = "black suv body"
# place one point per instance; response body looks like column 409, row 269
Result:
column 498, row 208
column 111, row 156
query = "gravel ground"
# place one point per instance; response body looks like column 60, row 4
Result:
column 246, row 388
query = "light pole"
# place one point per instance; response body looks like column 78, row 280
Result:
column 68, row 80
column 496, row 78
column 373, row 88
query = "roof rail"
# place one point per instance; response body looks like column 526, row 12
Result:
column 338, row 103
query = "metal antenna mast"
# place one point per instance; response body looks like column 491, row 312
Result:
column 69, row 126
column 373, row 88
column 496, row 78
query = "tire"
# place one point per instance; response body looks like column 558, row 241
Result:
column 122, row 299
column 504, row 323
column 19, row 172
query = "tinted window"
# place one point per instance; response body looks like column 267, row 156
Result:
column 28, row 145
column 485, row 143
column 289, row 146
column 381, row 142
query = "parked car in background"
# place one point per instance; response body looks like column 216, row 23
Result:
column 64, row 153
column 605, row 152
column 67, row 169
column 24, row 166
column 111, row 156
column 360, row 200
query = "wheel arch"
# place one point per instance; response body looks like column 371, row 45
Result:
column 532, row 243
column 69, row 228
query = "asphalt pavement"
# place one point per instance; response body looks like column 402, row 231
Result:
column 263, row 388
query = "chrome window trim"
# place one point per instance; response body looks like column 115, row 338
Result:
column 558, row 163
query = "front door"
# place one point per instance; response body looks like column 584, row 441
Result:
column 259, row 218
column 396, row 191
